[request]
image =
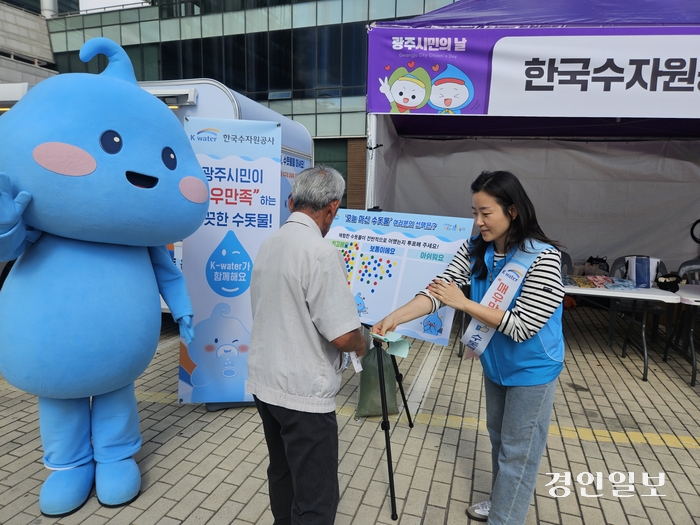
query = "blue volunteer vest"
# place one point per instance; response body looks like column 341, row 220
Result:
column 535, row 361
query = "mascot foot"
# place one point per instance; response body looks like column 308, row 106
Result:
column 117, row 483
column 65, row 491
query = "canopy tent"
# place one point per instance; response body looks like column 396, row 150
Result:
column 595, row 105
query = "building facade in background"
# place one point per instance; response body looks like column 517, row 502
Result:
column 305, row 59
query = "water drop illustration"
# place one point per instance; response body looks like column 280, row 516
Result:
column 229, row 267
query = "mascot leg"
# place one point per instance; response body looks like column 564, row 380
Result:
column 116, row 438
column 65, row 436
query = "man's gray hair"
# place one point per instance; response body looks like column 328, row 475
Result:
column 317, row 187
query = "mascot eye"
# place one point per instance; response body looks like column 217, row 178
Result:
column 401, row 93
column 111, row 142
column 169, row 158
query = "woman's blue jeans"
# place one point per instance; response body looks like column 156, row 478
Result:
column 517, row 418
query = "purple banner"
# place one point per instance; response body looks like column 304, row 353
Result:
column 620, row 72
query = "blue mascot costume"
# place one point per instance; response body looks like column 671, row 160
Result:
column 96, row 176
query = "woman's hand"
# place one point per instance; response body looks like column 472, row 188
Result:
column 448, row 293
column 388, row 324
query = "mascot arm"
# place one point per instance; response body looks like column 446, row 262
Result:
column 171, row 285
column 15, row 237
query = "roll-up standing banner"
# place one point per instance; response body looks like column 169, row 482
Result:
column 242, row 162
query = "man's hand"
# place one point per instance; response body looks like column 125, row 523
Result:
column 11, row 210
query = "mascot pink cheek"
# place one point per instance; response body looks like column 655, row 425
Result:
column 194, row 190
column 64, row 159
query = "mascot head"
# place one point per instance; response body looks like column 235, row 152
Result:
column 104, row 160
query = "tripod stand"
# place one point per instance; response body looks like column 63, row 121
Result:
column 385, row 418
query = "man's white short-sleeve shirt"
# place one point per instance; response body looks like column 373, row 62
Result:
column 301, row 301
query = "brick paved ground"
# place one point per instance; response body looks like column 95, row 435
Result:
column 204, row 467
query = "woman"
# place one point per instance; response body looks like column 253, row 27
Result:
column 525, row 353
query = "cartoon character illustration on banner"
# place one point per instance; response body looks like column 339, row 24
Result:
column 360, row 304
column 452, row 90
column 406, row 90
column 220, row 353
column 96, row 177
column 229, row 267
column 432, row 324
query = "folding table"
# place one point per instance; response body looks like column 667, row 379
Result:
column 643, row 295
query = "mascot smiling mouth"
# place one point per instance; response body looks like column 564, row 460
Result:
column 141, row 181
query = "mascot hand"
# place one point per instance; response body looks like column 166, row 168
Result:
column 11, row 209
column 186, row 328
column 385, row 88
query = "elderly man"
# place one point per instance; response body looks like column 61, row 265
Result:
column 304, row 317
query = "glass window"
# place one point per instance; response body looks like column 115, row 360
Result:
column 353, row 124
column 304, row 58
column 170, row 60
column 304, row 106
column 330, row 12
column 354, row 54
column 113, row 33
column 148, row 13
column 134, row 53
column 234, row 23
column 213, row 58
column 58, row 43
column 308, row 121
column 353, row 103
column 76, row 65
column 256, row 62
column 432, row 5
column 150, row 62
column 93, row 32
column 191, row 58
column 256, row 20
column 190, row 27
column 304, row 15
column 212, row 25
column 233, row 5
column 212, row 6
column 234, row 62
column 62, row 62
column 110, row 18
column 130, row 34
column 254, row 4
column 280, row 17
column 150, row 32
column 409, row 8
column 92, row 20
column 280, row 60
column 328, row 125
column 327, row 104
column 74, row 22
column 76, row 39
column 169, row 30
column 57, row 25
column 128, row 16
column 283, row 107
column 329, row 55
column 168, row 11
column 382, row 9
column 354, row 11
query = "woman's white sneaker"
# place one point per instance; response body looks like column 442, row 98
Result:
column 480, row 511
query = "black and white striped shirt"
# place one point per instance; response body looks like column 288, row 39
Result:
column 541, row 294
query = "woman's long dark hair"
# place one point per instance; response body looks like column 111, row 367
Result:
column 506, row 189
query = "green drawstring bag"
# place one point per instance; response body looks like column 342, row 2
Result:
column 369, row 402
